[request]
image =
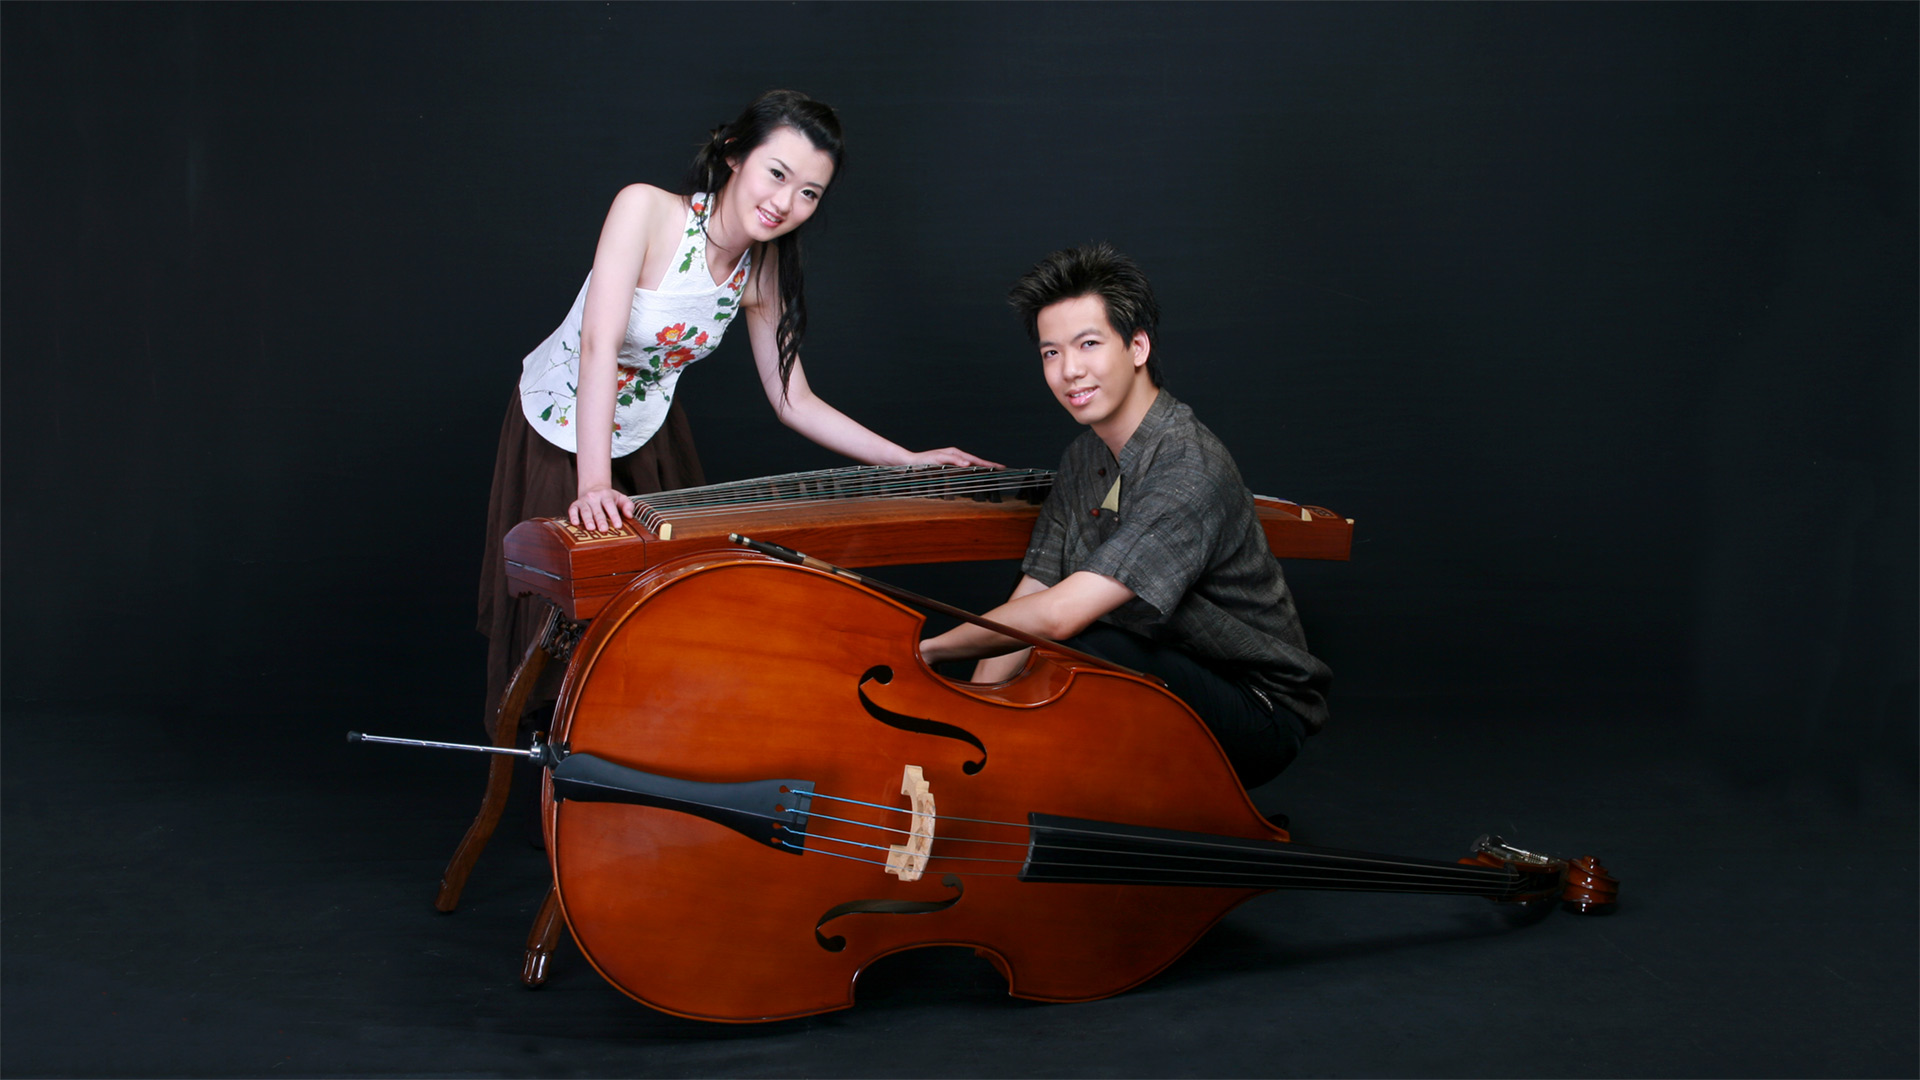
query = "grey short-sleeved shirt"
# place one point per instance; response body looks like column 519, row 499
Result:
column 1188, row 544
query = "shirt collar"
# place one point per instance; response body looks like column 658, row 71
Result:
column 1154, row 424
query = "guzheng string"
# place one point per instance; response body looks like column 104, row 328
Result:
column 875, row 488
column 827, row 483
column 858, row 482
column 731, row 500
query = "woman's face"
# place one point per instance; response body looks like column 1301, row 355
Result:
column 778, row 185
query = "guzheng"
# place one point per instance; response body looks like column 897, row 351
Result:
column 867, row 515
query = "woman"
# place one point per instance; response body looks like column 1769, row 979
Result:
column 595, row 418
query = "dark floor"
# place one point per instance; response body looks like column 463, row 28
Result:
column 179, row 904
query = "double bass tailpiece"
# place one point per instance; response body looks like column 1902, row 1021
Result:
column 760, row 810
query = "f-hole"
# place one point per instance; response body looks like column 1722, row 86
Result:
column 883, row 675
column 884, row 907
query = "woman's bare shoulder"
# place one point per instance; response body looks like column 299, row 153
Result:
column 649, row 203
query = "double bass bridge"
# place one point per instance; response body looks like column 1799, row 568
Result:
column 909, row 860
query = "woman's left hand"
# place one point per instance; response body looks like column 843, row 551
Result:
column 951, row 455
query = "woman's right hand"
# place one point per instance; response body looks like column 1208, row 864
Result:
column 600, row 508
column 951, row 455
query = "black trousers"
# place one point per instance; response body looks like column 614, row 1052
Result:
column 1259, row 743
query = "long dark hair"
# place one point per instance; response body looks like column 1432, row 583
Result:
column 710, row 172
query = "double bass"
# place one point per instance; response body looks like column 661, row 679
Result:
column 756, row 788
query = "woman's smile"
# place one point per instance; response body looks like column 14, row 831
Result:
column 778, row 185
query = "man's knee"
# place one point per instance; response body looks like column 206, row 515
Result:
column 1259, row 739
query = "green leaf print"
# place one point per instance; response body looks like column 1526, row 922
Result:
column 688, row 261
column 626, row 399
column 546, row 413
column 724, row 302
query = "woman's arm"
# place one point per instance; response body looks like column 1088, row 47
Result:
column 803, row 411
column 603, row 328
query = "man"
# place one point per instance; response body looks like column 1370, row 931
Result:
column 1147, row 552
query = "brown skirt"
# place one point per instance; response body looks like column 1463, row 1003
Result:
column 534, row 478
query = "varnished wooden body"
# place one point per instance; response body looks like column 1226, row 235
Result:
column 727, row 667
column 579, row 570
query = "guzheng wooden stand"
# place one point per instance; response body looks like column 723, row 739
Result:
column 856, row 517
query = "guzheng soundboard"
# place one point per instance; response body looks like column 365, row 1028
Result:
column 854, row 517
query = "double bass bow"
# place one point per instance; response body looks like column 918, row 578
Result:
column 755, row 788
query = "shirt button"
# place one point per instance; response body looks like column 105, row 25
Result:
column 1102, row 472
column 1095, row 511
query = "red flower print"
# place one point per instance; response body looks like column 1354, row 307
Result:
column 739, row 276
column 672, row 334
column 677, row 357
column 699, row 208
column 625, row 375
column 700, row 340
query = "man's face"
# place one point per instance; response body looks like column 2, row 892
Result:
column 1093, row 372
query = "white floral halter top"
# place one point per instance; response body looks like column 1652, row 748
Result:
column 668, row 328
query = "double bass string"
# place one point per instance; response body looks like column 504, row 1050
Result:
column 883, row 848
column 902, row 810
column 909, row 832
column 1336, row 871
column 1342, row 872
column 1468, row 880
column 1383, row 861
column 882, row 862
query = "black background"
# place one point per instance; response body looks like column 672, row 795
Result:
column 1599, row 320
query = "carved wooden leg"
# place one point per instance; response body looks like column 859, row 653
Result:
column 506, row 730
column 541, row 940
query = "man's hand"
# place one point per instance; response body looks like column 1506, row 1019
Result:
column 998, row 669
